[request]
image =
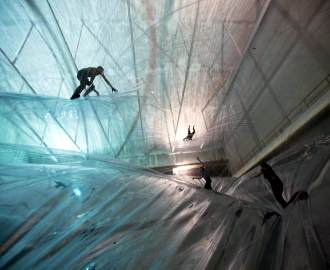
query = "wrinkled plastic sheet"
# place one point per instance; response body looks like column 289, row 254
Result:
column 97, row 213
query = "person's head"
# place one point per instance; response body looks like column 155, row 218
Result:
column 100, row 69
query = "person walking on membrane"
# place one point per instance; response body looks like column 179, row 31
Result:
column 205, row 175
column 276, row 185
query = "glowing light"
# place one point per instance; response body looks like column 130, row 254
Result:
column 77, row 192
column 183, row 170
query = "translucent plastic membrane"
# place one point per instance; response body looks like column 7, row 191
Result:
column 165, row 58
column 78, row 213
column 243, row 72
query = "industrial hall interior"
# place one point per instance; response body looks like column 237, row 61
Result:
column 165, row 134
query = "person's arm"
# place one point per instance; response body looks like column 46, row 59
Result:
column 108, row 83
column 201, row 162
column 193, row 130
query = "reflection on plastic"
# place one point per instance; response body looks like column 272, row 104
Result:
column 131, row 218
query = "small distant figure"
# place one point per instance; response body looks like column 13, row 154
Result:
column 59, row 184
column 190, row 134
column 205, row 176
column 86, row 77
column 277, row 186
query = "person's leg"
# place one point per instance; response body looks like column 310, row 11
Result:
column 299, row 195
column 208, row 182
column 77, row 92
column 276, row 184
column 90, row 89
column 268, row 215
column 79, row 89
column 277, row 191
column 281, row 201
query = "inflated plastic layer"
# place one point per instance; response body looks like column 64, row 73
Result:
column 168, row 58
column 78, row 213
column 91, row 125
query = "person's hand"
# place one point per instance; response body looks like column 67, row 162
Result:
column 114, row 90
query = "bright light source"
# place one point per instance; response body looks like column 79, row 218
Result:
column 185, row 169
column 77, row 192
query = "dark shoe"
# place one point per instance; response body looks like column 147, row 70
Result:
column 74, row 96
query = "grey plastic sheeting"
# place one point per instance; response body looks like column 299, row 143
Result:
column 102, row 214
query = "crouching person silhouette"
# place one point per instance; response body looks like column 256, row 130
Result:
column 86, row 77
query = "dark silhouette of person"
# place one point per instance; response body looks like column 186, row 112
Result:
column 205, row 175
column 86, row 77
column 207, row 178
column 59, row 184
column 274, row 181
column 277, row 186
column 190, row 134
